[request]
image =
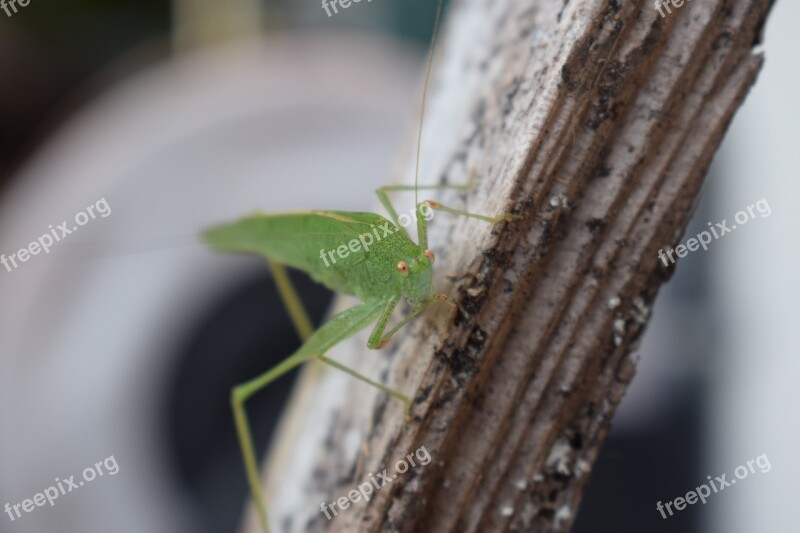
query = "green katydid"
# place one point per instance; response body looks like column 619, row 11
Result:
column 393, row 267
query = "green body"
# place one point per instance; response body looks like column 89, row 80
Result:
column 297, row 240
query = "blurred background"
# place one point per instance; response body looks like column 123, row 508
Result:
column 126, row 338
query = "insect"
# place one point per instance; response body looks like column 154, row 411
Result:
column 391, row 267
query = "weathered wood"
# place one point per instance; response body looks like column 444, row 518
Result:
column 596, row 121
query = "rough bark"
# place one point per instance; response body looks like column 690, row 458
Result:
column 595, row 121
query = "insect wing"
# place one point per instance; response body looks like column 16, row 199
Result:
column 320, row 243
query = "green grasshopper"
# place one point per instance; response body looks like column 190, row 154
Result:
column 391, row 268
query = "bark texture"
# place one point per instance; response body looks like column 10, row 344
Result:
column 595, row 121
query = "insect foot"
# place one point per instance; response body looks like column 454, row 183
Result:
column 445, row 299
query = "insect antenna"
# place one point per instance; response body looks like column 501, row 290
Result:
column 425, row 95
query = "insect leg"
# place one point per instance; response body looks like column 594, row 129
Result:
column 335, row 330
column 375, row 342
column 505, row 216
column 383, row 195
column 239, row 395
column 391, row 392
column 291, row 300
column 413, row 314
column 378, row 339
column 387, row 204
column 465, row 187
column 422, row 227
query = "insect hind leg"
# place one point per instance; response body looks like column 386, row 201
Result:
column 239, row 395
column 291, row 300
column 335, row 330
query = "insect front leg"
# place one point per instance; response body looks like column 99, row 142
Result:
column 376, row 341
column 508, row 217
column 383, row 195
column 422, row 227
column 411, row 316
column 387, row 204
column 464, row 187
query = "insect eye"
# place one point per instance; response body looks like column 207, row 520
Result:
column 430, row 256
column 402, row 267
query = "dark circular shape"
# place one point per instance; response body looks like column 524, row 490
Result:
column 243, row 334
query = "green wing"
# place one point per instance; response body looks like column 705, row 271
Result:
column 298, row 239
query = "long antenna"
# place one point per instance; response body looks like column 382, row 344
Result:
column 425, row 94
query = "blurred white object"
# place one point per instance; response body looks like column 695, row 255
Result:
column 756, row 392
column 309, row 121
